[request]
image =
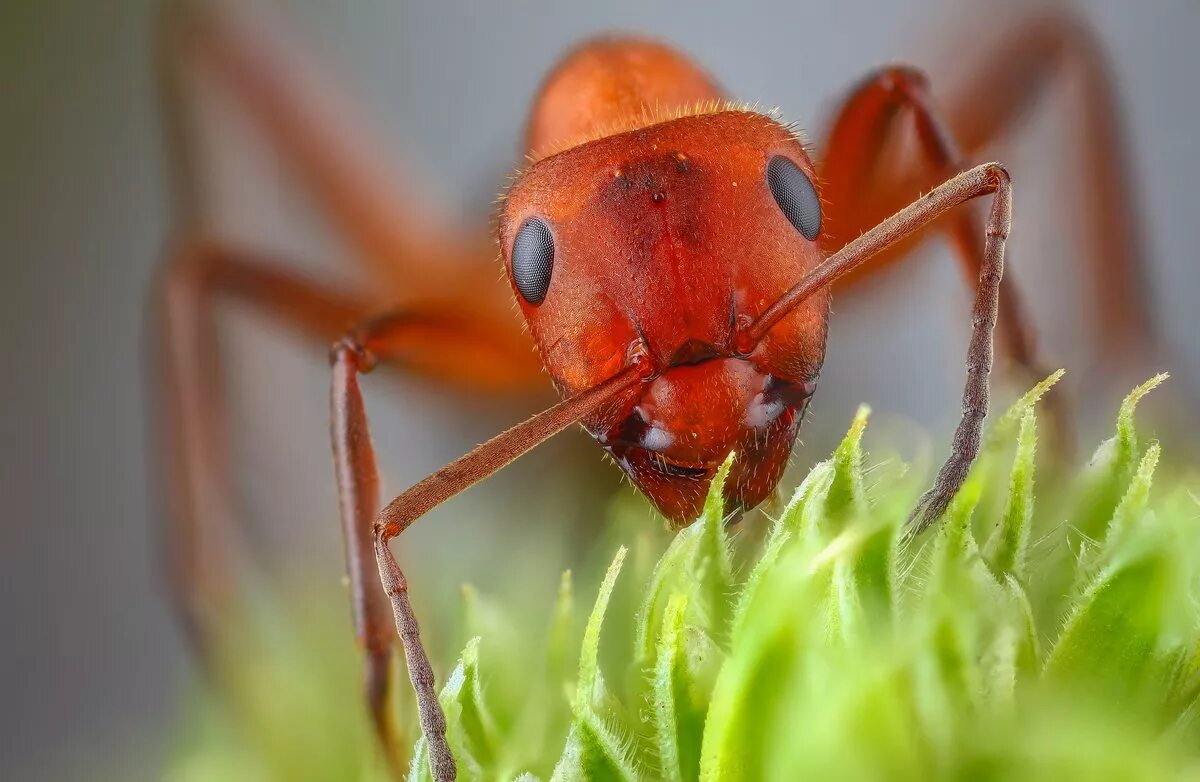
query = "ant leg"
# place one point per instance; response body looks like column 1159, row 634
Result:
column 1007, row 83
column 195, row 277
column 473, row 351
column 990, row 178
column 201, row 509
column 250, row 60
column 199, row 496
column 865, row 127
column 358, row 483
column 858, row 191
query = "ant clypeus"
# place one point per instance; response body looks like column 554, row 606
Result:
column 671, row 253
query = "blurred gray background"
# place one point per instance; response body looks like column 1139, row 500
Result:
column 91, row 663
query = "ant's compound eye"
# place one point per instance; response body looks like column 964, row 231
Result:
column 796, row 196
column 533, row 260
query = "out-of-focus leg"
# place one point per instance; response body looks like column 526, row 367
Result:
column 868, row 124
column 862, row 187
column 251, row 60
column 432, row 342
column 194, row 277
column 859, row 196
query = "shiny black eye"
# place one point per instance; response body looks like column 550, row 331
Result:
column 796, row 196
column 533, row 260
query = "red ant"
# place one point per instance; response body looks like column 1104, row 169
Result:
column 672, row 255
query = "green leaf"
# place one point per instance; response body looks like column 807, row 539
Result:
column 864, row 583
column 831, row 488
column 1133, row 505
column 1111, row 467
column 764, row 665
column 1126, row 433
column 589, row 657
column 594, row 748
column 1010, row 652
column 1006, row 423
column 1117, row 631
column 669, row 576
column 666, row 674
column 1006, row 548
column 1111, row 639
column 684, row 675
column 711, row 569
column 593, row 752
column 803, row 514
column 847, row 497
column 955, row 551
column 698, row 564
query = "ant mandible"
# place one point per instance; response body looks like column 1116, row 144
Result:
column 672, row 255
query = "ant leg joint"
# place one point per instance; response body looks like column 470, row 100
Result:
column 900, row 79
column 350, row 345
column 392, row 578
column 999, row 175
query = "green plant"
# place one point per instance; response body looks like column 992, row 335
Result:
column 1047, row 630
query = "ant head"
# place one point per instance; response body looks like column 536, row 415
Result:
column 663, row 244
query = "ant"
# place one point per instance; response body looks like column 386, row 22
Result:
column 671, row 254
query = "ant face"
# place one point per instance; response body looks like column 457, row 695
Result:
column 664, row 244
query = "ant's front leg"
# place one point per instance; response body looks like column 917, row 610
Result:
column 368, row 534
column 989, row 179
column 404, row 338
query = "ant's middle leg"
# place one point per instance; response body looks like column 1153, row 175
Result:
column 862, row 188
column 999, row 90
column 201, row 513
column 195, row 278
column 860, row 195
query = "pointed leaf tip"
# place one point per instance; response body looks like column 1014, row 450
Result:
column 714, row 503
column 847, row 495
column 1126, row 435
column 1028, row 401
column 589, row 654
column 1135, row 499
